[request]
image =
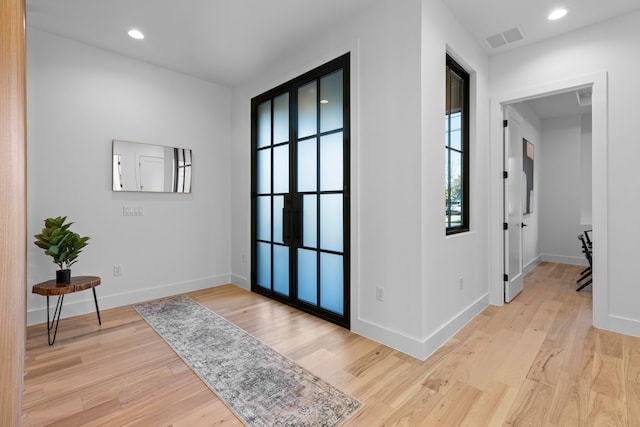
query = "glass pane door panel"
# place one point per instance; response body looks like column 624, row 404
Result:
column 281, row 169
column 331, row 229
column 453, row 130
column 331, row 164
column 264, row 171
column 278, row 205
column 331, row 102
column 281, row 269
column 264, row 264
column 264, row 124
column 263, row 231
column 310, row 221
column 307, row 110
column 307, row 165
column 331, row 282
column 281, row 118
column 308, row 276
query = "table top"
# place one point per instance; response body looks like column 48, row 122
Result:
column 78, row 283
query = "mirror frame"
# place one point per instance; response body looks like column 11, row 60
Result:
column 159, row 168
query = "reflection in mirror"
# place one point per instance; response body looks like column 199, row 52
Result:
column 527, row 168
column 152, row 168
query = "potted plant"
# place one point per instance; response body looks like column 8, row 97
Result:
column 62, row 244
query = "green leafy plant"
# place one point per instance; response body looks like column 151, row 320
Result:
column 60, row 243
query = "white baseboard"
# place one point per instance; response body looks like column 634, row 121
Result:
column 74, row 308
column 532, row 264
column 415, row 347
column 622, row 325
column 564, row 259
column 240, row 281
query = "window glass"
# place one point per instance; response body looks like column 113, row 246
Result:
column 307, row 110
column 456, row 130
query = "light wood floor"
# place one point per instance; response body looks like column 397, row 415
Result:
column 534, row 362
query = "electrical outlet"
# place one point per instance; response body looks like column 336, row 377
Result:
column 379, row 293
column 117, row 270
column 461, row 282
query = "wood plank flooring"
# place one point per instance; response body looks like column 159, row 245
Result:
column 534, row 362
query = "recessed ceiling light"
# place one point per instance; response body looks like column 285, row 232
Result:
column 324, row 101
column 136, row 34
column 557, row 14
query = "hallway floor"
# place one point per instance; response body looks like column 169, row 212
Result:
column 536, row 361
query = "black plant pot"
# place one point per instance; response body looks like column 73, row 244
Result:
column 63, row 276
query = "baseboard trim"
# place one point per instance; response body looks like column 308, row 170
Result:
column 562, row 259
column 240, row 281
column 415, row 347
column 532, row 264
column 622, row 325
column 86, row 305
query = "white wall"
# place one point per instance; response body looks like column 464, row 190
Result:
column 574, row 57
column 397, row 163
column 560, row 190
column 446, row 304
column 79, row 99
column 586, row 170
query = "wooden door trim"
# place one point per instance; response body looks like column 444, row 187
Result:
column 12, row 209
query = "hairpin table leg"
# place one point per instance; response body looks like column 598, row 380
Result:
column 95, row 299
column 55, row 319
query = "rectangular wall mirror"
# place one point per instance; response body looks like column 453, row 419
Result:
column 151, row 168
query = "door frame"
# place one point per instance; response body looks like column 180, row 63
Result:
column 13, row 183
column 345, row 63
column 598, row 82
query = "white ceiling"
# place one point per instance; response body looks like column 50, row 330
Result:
column 223, row 41
column 484, row 18
column 561, row 104
column 230, row 41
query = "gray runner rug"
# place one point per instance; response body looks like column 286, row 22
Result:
column 261, row 386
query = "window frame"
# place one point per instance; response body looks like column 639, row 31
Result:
column 464, row 226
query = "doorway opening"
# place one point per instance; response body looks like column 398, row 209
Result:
column 300, row 192
column 547, row 182
column 598, row 82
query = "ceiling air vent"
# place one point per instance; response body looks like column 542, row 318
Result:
column 505, row 37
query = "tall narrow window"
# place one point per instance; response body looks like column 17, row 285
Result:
column 456, row 128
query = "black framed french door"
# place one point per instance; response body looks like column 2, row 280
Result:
column 300, row 192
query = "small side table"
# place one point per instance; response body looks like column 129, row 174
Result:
column 50, row 287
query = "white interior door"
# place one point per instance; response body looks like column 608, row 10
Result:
column 150, row 173
column 513, row 277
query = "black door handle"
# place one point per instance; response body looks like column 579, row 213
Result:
column 296, row 223
column 292, row 220
column 523, row 225
column 286, row 220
